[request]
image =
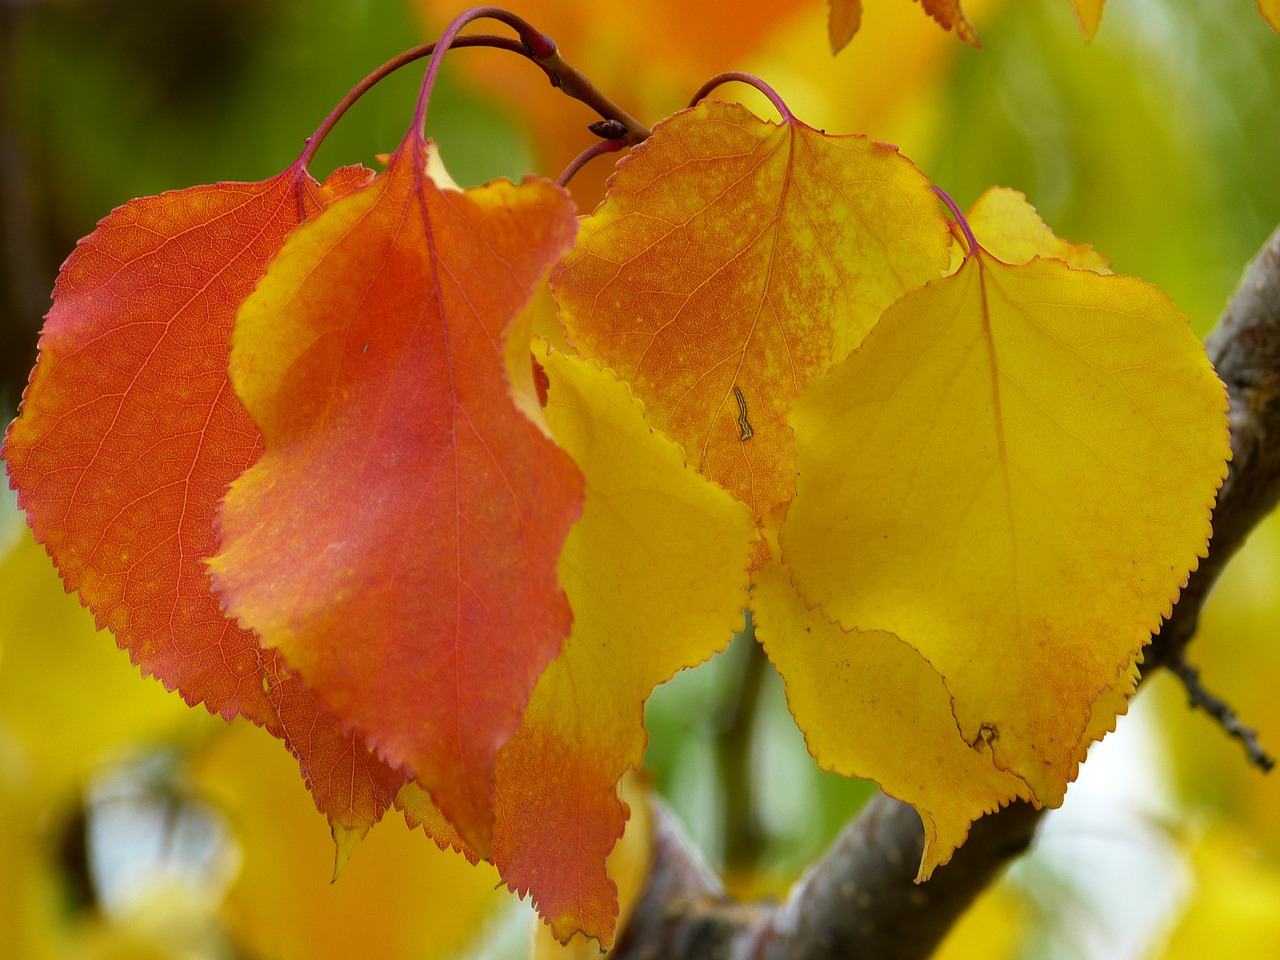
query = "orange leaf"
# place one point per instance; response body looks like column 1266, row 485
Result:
column 949, row 14
column 398, row 539
column 130, row 432
column 843, row 19
column 1089, row 13
column 733, row 260
column 1270, row 10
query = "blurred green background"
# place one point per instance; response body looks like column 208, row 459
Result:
column 1158, row 143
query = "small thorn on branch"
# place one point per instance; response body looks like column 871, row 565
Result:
column 1221, row 711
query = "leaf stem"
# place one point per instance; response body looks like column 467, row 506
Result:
column 391, row 66
column 751, row 80
column 533, row 44
column 599, row 148
column 960, row 219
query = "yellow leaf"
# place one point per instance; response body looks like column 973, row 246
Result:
column 1014, row 476
column 1089, row 13
column 733, row 260
column 399, row 897
column 1235, row 908
column 1009, row 229
column 656, row 573
column 843, row 19
column 1270, row 10
column 994, row 928
column 69, row 698
column 870, row 706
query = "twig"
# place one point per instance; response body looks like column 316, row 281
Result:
column 1221, row 711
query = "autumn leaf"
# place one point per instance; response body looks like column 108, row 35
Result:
column 399, row 899
column 1010, row 229
column 843, row 19
column 129, row 433
column 1089, row 13
column 1013, row 475
column 951, row 17
column 871, row 706
column 1270, row 10
column 656, row 572
column 397, row 541
column 733, row 260
column 628, row 866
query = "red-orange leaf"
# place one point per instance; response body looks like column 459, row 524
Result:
column 398, row 539
column 130, row 433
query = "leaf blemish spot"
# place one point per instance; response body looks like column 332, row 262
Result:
column 743, row 425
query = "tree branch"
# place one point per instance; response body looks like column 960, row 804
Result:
column 859, row 900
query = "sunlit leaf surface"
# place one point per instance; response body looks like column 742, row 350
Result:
column 1013, row 475
column 733, row 260
column 656, row 571
column 397, row 541
column 130, row 432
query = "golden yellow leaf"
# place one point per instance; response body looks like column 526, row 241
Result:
column 1009, row 229
column 1234, row 909
column 399, row 897
column 1089, row 13
column 733, row 260
column 843, row 19
column 69, row 698
column 1013, row 475
column 994, row 928
column 1270, row 10
column 870, row 706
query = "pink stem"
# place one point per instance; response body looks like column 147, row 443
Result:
column 597, row 149
column 751, row 80
column 384, row 71
column 964, row 224
column 534, row 44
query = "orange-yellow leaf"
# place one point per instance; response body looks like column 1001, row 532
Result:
column 870, row 706
column 628, row 867
column 397, row 541
column 130, row 432
column 656, row 571
column 1014, row 476
column 843, row 19
column 733, row 260
column 949, row 14
column 399, row 899
column 1270, row 10
column 1009, row 229
column 1089, row 13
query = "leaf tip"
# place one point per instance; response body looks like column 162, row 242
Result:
column 345, row 840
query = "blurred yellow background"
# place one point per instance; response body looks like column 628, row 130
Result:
column 133, row 826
